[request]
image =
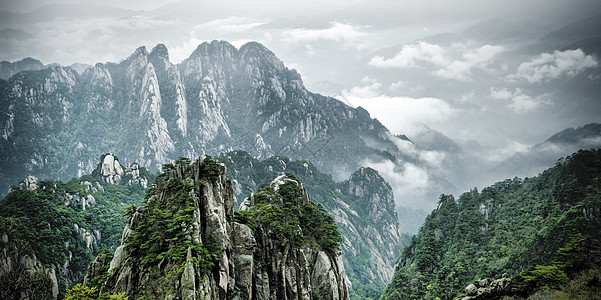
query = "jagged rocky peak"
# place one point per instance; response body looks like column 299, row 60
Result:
column 254, row 52
column 160, row 51
column 303, row 264
column 374, row 193
column 187, row 243
column 110, row 171
column 30, row 183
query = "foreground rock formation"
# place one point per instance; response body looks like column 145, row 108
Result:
column 208, row 253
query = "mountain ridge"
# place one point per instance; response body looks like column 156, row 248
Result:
column 147, row 109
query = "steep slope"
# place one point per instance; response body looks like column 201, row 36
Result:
column 55, row 122
column 544, row 155
column 147, row 109
column 543, row 232
column 362, row 206
column 50, row 230
column 187, row 243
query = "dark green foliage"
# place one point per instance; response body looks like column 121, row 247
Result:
column 254, row 175
column 165, row 222
column 209, row 169
column 163, row 233
column 543, row 230
column 537, row 277
column 35, row 285
column 42, row 222
column 285, row 216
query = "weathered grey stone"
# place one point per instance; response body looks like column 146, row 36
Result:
column 484, row 282
column 253, row 265
column 471, row 290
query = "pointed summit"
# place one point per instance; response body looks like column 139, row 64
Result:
column 160, row 50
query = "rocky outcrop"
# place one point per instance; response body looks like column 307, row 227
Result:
column 363, row 208
column 28, row 184
column 244, row 263
column 111, row 170
column 132, row 173
column 487, row 288
column 298, row 273
column 22, row 275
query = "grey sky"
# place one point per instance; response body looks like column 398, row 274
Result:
column 394, row 58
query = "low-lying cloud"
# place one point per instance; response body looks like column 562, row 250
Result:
column 549, row 66
column 410, row 183
column 456, row 62
column 519, row 101
column 401, row 115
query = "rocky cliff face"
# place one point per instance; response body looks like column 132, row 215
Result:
column 370, row 198
column 205, row 254
column 55, row 121
column 23, row 275
column 362, row 206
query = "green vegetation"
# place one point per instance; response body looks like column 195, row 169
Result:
column 80, row 292
column 254, row 175
column 163, row 232
column 162, row 241
column 543, row 230
column 51, row 223
column 286, row 217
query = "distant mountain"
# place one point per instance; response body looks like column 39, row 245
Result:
column 544, row 155
column 517, row 238
column 55, row 122
column 80, row 68
column 573, row 33
column 591, row 46
column 8, row 69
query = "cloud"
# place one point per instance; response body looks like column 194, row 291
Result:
column 549, row 66
column 409, row 181
column 337, row 32
column 399, row 114
column 454, row 66
column 502, row 153
column 462, row 69
column 230, row 25
column 183, row 50
column 519, row 102
column 411, row 55
column 429, row 158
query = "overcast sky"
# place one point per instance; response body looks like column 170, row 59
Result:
column 410, row 63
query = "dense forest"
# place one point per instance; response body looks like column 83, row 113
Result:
column 63, row 225
column 535, row 237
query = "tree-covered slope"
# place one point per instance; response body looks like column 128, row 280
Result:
column 51, row 230
column 544, row 232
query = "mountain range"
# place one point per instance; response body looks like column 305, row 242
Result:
column 146, row 109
